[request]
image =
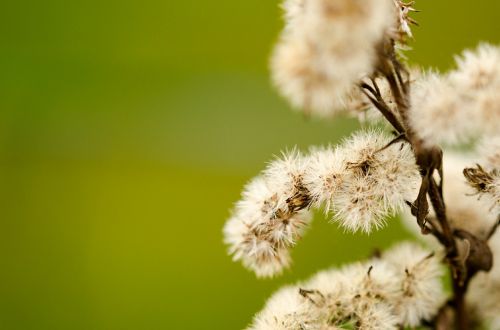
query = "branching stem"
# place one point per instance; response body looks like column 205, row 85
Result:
column 429, row 159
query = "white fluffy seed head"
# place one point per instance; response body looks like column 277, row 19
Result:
column 436, row 113
column 368, row 289
column 293, row 11
column 325, row 174
column 285, row 310
column 298, row 72
column 363, row 180
column 326, row 48
column 420, row 292
column 401, row 288
column 254, row 250
column 285, row 176
column 397, row 175
column 270, row 217
column 477, row 80
column 378, row 181
column 258, row 201
column 477, row 70
column 347, row 32
column 355, row 296
column 357, row 209
column 486, row 106
column 489, row 152
column 461, row 105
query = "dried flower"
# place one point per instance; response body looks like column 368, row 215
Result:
column 325, row 174
column 420, row 291
column 436, row 112
column 379, row 179
column 286, row 310
column 402, row 288
column 326, row 48
column 344, row 56
column 269, row 219
column 489, row 152
column 486, row 184
column 363, row 180
column 477, row 81
column 461, row 105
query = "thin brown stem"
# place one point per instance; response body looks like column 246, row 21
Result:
column 382, row 107
column 461, row 315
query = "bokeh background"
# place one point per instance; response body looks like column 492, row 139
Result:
column 127, row 129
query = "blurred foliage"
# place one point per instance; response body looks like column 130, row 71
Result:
column 127, row 129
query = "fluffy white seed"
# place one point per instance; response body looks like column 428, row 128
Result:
column 420, row 293
column 356, row 295
column 286, row 310
column 293, row 11
column 380, row 178
column 477, row 80
column 436, row 113
column 325, row 174
column 462, row 104
column 363, row 180
column 298, row 72
column 401, row 288
column 255, row 250
column 271, row 216
column 489, row 152
column 326, row 48
column 477, row 69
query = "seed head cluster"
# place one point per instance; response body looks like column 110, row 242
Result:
column 462, row 104
column 271, row 216
column 360, row 183
column 378, row 294
column 327, row 47
column 349, row 57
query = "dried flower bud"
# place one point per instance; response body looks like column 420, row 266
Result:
column 379, row 178
column 271, row 216
column 485, row 184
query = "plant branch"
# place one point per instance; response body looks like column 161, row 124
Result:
column 380, row 104
column 429, row 160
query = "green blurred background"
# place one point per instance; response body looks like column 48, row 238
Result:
column 127, row 129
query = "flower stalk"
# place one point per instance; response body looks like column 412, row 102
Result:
column 370, row 176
